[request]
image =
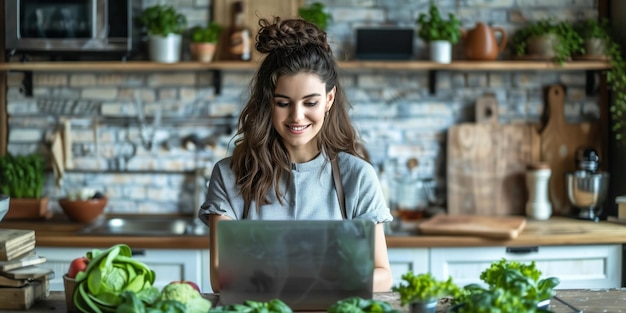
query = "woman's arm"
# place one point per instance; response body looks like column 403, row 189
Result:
column 213, row 219
column 382, row 269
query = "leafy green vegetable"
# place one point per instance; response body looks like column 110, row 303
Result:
column 275, row 305
column 187, row 295
column 109, row 273
column 424, row 287
column 511, row 287
column 360, row 305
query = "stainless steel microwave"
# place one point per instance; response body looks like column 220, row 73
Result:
column 71, row 26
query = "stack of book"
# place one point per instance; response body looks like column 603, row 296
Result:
column 24, row 279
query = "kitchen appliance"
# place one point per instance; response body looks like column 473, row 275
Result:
column 586, row 186
column 384, row 43
column 71, row 26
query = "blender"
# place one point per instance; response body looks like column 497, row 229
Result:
column 586, row 186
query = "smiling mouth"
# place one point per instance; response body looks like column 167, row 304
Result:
column 298, row 128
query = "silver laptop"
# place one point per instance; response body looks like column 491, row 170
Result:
column 309, row 265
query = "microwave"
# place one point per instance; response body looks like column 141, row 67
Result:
column 71, row 26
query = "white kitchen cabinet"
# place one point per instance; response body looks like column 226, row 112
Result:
column 403, row 260
column 168, row 264
column 577, row 266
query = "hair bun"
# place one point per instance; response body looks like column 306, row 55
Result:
column 288, row 34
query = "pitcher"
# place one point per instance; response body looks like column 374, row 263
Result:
column 481, row 44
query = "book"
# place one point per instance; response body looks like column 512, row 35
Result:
column 28, row 272
column 16, row 252
column 29, row 259
column 10, row 282
column 9, row 238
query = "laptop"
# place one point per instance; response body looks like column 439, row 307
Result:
column 309, row 265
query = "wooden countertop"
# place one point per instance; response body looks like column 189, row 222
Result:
column 585, row 300
column 59, row 232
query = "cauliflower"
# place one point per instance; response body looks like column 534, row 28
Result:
column 187, row 295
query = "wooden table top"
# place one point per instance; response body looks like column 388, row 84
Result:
column 59, row 232
column 585, row 300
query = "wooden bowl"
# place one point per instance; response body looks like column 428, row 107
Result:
column 83, row 211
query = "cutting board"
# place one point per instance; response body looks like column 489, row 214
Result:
column 496, row 227
column 559, row 142
column 253, row 10
column 486, row 163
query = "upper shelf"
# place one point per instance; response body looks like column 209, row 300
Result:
column 132, row 66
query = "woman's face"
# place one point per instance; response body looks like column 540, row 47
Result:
column 300, row 104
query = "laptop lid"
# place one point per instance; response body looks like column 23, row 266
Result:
column 309, row 265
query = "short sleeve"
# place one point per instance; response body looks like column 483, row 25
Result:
column 217, row 196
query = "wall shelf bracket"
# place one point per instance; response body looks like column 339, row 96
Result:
column 217, row 81
column 432, row 82
column 591, row 85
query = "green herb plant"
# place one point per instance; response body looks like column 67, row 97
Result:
column 569, row 41
column 434, row 27
column 315, row 14
column 22, row 176
column 615, row 77
column 206, row 34
column 424, row 288
column 163, row 20
column 511, row 287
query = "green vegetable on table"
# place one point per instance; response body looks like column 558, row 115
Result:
column 272, row 306
column 360, row 305
column 424, row 288
column 99, row 288
column 511, row 287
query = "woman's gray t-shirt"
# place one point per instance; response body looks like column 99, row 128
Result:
column 311, row 194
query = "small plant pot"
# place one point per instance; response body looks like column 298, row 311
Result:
column 69, row 285
column 27, row 208
column 543, row 46
column 423, row 307
column 202, row 52
column 165, row 49
column 441, row 51
column 595, row 47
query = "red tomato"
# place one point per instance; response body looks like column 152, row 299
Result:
column 77, row 265
column 192, row 284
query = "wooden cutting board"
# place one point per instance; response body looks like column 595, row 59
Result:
column 253, row 10
column 486, row 163
column 497, row 227
column 559, row 142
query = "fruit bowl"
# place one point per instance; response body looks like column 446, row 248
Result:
column 83, row 211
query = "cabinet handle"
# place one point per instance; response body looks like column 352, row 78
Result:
column 521, row 250
column 134, row 252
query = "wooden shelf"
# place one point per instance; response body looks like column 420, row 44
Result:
column 137, row 66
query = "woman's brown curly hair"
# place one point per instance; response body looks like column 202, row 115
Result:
column 259, row 158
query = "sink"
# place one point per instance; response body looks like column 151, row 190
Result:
column 146, row 226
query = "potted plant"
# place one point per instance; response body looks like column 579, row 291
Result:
column 204, row 41
column 548, row 39
column 421, row 292
column 315, row 14
column 599, row 44
column 441, row 34
column 22, row 179
column 164, row 26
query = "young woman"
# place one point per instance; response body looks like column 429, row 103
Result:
column 294, row 124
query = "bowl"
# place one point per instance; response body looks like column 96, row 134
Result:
column 4, row 205
column 586, row 189
column 83, row 211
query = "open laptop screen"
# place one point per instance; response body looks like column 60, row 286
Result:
column 309, row 265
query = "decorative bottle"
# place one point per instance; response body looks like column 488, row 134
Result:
column 537, row 177
column 239, row 35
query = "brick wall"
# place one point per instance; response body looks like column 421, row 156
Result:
column 149, row 139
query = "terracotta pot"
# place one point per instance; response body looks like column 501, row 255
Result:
column 202, row 52
column 543, row 46
column 595, row 47
column 25, row 208
column 481, row 43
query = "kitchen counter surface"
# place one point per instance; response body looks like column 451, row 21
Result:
column 60, row 232
column 585, row 300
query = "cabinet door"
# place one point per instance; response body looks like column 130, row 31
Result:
column 403, row 260
column 580, row 266
column 169, row 265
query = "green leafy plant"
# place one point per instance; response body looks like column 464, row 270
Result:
column 569, row 41
column 358, row 304
column 424, row 288
column 434, row 27
column 163, row 20
column 615, row 77
column 22, row 176
column 315, row 14
column 249, row 306
column 511, row 287
column 206, row 34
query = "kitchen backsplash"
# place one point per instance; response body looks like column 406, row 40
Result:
column 149, row 139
